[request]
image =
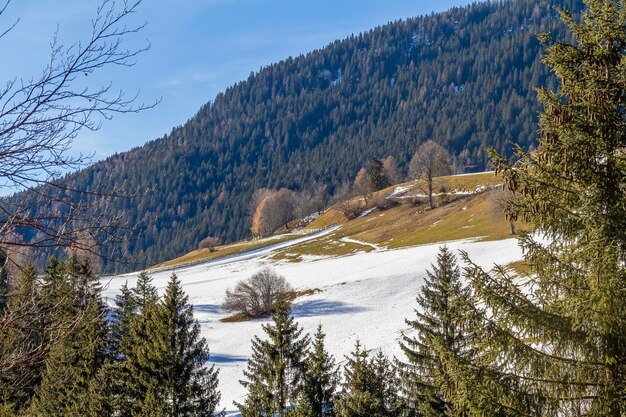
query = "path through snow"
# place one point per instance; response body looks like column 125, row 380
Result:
column 360, row 242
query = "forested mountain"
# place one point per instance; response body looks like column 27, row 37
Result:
column 464, row 78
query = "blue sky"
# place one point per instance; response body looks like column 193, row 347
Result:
column 198, row 48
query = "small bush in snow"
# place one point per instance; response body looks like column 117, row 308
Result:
column 257, row 295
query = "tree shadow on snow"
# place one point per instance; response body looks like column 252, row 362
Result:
column 207, row 308
column 225, row 358
column 324, row 308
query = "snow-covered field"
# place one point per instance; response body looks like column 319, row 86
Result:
column 363, row 296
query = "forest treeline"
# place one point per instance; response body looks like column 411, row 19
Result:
column 464, row 79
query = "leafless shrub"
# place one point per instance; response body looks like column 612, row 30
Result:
column 349, row 209
column 382, row 203
column 257, row 295
column 310, row 201
column 444, row 195
column 414, row 200
column 209, row 242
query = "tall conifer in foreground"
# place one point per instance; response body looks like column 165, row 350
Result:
column 275, row 373
column 321, row 377
column 562, row 329
column 21, row 344
column 134, row 368
column 427, row 379
column 168, row 369
column 123, row 312
column 77, row 332
column 122, row 341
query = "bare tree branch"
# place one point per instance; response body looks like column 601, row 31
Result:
column 40, row 118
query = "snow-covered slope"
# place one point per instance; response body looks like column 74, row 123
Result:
column 363, row 296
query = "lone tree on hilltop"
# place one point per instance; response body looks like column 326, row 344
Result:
column 430, row 160
column 209, row 242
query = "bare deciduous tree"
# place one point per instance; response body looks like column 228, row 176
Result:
column 39, row 119
column 342, row 192
column 390, row 168
column 350, row 209
column 209, row 242
column 257, row 197
column 501, row 197
column 362, row 185
column 275, row 210
column 430, row 160
column 85, row 248
column 257, row 295
column 310, row 201
column 461, row 162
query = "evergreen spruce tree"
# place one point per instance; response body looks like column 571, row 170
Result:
column 388, row 383
column 275, row 373
column 140, row 370
column 100, row 399
column 562, row 329
column 22, row 343
column 321, row 377
column 121, row 343
column 302, row 407
column 167, row 369
column 144, row 292
column 123, row 313
column 377, row 176
column 77, row 329
column 129, row 332
column 153, row 406
column 440, row 340
column 370, row 387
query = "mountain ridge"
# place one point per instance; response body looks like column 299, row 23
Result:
column 465, row 78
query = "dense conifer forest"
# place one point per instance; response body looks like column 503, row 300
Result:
column 465, row 79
